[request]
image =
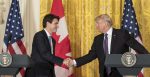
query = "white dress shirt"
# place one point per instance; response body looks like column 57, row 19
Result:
column 47, row 33
column 109, row 32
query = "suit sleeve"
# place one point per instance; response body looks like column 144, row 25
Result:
column 45, row 53
column 133, row 43
column 88, row 57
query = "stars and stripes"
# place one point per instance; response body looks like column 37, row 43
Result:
column 129, row 23
column 13, row 38
column 129, row 19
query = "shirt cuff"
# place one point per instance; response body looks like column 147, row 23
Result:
column 74, row 63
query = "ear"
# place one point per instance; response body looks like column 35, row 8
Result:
column 48, row 23
column 106, row 23
column 96, row 24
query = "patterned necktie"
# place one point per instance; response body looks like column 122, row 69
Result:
column 51, row 44
column 105, row 46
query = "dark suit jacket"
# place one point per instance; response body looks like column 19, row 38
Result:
column 42, row 59
column 121, row 41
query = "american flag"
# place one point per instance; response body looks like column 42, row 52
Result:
column 13, row 38
column 129, row 23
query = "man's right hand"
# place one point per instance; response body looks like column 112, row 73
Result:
column 68, row 62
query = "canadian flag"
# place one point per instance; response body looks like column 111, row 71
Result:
column 62, row 48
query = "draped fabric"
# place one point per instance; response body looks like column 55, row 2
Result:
column 80, row 16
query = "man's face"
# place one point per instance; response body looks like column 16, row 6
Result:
column 101, row 25
column 53, row 26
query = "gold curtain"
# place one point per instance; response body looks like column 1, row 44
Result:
column 80, row 16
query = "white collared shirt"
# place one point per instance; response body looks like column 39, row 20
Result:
column 109, row 32
column 47, row 33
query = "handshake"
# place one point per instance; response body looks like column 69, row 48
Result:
column 68, row 62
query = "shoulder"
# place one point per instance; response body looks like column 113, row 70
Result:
column 39, row 34
column 100, row 36
column 121, row 31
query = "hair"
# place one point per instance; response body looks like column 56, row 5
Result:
column 106, row 18
column 49, row 18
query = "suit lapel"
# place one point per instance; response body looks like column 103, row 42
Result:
column 47, row 41
column 113, row 39
column 53, row 45
column 45, row 35
column 100, row 46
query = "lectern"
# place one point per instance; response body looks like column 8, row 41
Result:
column 18, row 62
column 114, row 60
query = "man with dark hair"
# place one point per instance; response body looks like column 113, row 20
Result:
column 49, row 18
column 43, row 58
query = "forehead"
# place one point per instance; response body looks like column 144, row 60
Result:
column 100, row 20
column 55, row 20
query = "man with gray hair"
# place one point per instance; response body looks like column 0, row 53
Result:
column 110, row 41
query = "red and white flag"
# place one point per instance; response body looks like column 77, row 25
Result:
column 62, row 48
